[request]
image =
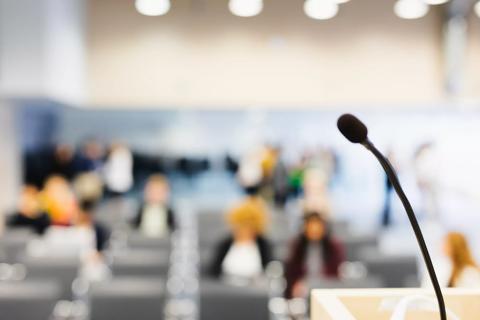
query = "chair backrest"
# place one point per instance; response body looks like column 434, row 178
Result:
column 223, row 301
column 27, row 300
column 356, row 243
column 368, row 282
column 14, row 241
column 63, row 270
column 138, row 241
column 128, row 298
column 394, row 270
column 141, row 263
column 211, row 227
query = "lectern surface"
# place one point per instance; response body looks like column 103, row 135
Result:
column 378, row 304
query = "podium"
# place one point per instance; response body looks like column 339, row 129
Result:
column 379, row 304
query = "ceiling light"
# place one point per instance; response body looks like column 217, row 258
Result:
column 435, row 2
column 477, row 8
column 320, row 9
column 245, row 8
column 152, row 7
column 410, row 9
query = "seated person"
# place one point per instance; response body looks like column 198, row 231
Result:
column 243, row 255
column 59, row 201
column 96, row 237
column 85, row 221
column 155, row 218
column 315, row 254
column 29, row 213
column 465, row 272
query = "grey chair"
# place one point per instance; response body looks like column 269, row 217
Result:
column 394, row 270
column 368, row 282
column 141, row 263
column 220, row 301
column 127, row 299
column 27, row 300
column 211, row 228
column 63, row 270
column 355, row 244
column 136, row 240
column 14, row 241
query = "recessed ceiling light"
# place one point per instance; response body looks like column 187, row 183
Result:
column 320, row 9
column 410, row 9
column 245, row 8
column 152, row 7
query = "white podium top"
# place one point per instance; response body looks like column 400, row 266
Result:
column 379, row 304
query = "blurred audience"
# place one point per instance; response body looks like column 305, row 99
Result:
column 250, row 174
column 280, row 180
column 155, row 218
column 315, row 254
column 96, row 237
column 315, row 192
column 96, row 231
column 465, row 271
column 119, row 170
column 88, row 186
column 64, row 162
column 244, row 254
column 92, row 156
column 59, row 201
column 29, row 213
column 386, row 219
column 427, row 179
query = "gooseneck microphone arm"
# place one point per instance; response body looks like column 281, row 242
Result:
column 392, row 176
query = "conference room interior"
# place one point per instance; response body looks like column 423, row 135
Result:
column 180, row 159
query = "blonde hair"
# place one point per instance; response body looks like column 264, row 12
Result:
column 460, row 255
column 159, row 179
column 251, row 213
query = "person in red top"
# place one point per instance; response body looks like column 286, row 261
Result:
column 315, row 254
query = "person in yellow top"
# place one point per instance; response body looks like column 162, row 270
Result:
column 59, row 201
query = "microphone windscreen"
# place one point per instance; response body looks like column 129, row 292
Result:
column 352, row 128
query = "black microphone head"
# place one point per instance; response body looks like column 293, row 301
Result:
column 352, row 128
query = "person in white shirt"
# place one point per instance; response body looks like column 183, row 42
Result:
column 155, row 218
column 118, row 170
column 242, row 256
column 464, row 273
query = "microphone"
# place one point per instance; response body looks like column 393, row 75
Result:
column 356, row 132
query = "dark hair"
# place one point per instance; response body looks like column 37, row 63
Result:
column 314, row 215
column 252, row 190
column 87, row 206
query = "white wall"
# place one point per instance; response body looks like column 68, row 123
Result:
column 9, row 158
column 42, row 51
column 199, row 55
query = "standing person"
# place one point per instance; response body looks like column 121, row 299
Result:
column 119, row 170
column 465, row 271
column 316, row 197
column 387, row 207
column 315, row 254
column 29, row 213
column 244, row 254
column 280, row 183
column 427, row 175
column 155, row 218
